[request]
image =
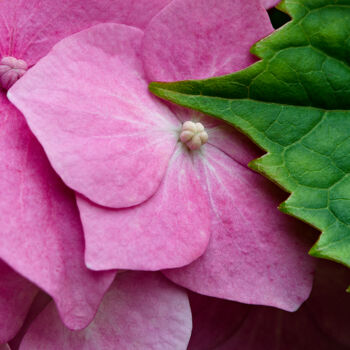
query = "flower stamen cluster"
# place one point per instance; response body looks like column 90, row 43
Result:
column 193, row 135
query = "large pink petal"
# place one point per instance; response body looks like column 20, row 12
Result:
column 140, row 311
column 16, row 296
column 171, row 229
column 88, row 104
column 29, row 28
column 321, row 323
column 40, row 230
column 254, row 255
column 194, row 39
column 4, row 347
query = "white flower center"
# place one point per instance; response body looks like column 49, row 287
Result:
column 193, row 135
column 11, row 69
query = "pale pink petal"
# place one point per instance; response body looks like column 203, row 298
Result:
column 255, row 254
column 105, row 135
column 29, row 28
column 40, row 230
column 171, row 229
column 321, row 323
column 269, row 3
column 140, row 311
column 194, row 39
column 16, row 296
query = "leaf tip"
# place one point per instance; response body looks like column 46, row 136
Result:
column 155, row 86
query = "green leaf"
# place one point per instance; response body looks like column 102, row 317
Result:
column 295, row 104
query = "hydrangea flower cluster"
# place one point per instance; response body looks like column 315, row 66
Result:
column 98, row 177
column 148, row 197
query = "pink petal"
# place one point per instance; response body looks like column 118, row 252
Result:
column 321, row 323
column 254, row 255
column 171, row 229
column 4, row 347
column 105, row 135
column 40, row 230
column 16, row 296
column 269, row 3
column 140, row 311
column 29, row 28
column 194, row 39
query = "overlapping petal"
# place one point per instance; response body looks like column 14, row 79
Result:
column 16, row 296
column 194, row 39
column 40, row 232
column 106, row 136
column 171, row 229
column 254, row 255
column 29, row 28
column 140, row 311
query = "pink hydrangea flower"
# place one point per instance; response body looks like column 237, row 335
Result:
column 40, row 229
column 160, row 187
